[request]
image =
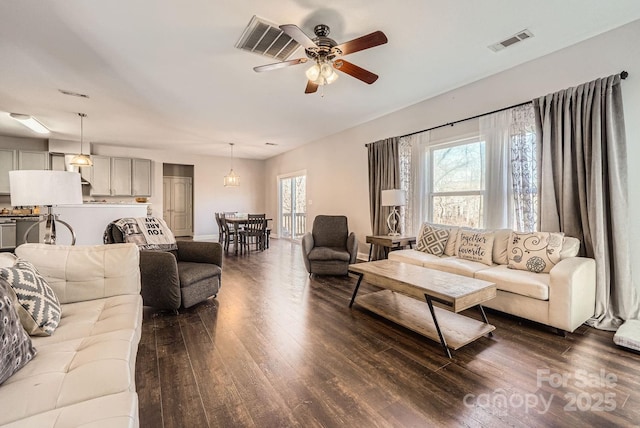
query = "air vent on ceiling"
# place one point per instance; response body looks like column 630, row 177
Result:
column 265, row 38
column 510, row 41
column 270, row 144
column 73, row 94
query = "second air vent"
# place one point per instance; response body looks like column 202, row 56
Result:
column 265, row 38
column 510, row 41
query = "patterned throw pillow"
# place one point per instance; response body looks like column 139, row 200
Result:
column 16, row 348
column 39, row 308
column 432, row 239
column 536, row 252
column 476, row 246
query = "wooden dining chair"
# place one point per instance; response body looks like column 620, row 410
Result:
column 254, row 232
column 229, row 233
column 221, row 233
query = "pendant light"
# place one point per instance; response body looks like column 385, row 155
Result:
column 231, row 179
column 81, row 159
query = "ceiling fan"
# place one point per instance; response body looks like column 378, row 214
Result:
column 327, row 56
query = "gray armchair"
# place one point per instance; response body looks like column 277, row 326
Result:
column 329, row 248
column 177, row 279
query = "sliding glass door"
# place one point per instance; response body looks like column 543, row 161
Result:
column 292, row 195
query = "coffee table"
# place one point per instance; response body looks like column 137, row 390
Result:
column 407, row 286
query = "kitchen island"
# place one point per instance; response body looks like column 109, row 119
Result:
column 89, row 220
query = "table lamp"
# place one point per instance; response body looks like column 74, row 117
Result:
column 48, row 188
column 393, row 198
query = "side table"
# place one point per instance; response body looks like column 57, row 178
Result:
column 389, row 242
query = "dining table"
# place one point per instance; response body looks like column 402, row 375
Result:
column 237, row 221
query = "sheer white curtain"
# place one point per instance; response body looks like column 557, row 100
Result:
column 494, row 130
column 413, row 173
column 525, row 154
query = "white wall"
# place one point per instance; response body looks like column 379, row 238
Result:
column 337, row 166
column 210, row 195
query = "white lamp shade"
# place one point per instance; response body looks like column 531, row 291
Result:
column 394, row 198
column 38, row 187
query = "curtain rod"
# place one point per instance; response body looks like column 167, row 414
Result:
column 623, row 75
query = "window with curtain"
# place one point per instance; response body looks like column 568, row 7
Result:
column 485, row 180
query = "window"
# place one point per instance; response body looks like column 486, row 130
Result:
column 457, row 192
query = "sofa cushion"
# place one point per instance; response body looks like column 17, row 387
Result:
column 521, row 282
column 476, row 246
column 456, row 265
column 16, row 348
column 500, row 246
column 413, row 257
column 432, row 239
column 7, row 259
column 536, row 251
column 452, row 242
column 570, row 247
column 39, row 308
column 190, row 273
column 329, row 254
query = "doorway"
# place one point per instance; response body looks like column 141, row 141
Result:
column 292, row 206
column 177, row 206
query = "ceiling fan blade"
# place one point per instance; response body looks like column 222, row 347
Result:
column 282, row 64
column 355, row 71
column 376, row 38
column 311, row 87
column 298, row 35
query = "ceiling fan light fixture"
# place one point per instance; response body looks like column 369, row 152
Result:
column 322, row 73
column 313, row 73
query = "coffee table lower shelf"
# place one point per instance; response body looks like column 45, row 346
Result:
column 413, row 314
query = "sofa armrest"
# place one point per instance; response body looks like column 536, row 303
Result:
column 352, row 247
column 159, row 280
column 307, row 246
column 86, row 272
column 572, row 292
column 200, row 252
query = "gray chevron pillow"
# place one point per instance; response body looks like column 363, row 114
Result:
column 39, row 308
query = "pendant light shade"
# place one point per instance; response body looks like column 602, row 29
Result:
column 232, row 179
column 81, row 159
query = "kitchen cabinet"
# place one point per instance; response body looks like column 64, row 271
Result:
column 7, row 163
column 28, row 159
column 120, row 176
column 56, row 162
column 141, row 177
column 101, row 176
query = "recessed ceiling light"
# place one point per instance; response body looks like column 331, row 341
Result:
column 73, row 94
column 30, row 122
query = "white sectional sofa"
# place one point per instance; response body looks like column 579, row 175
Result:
column 84, row 373
column 564, row 298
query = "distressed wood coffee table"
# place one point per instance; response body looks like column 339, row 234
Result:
column 407, row 286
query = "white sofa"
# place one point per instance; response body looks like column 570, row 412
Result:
column 83, row 374
column 564, row 298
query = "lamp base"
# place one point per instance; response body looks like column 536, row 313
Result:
column 392, row 222
column 50, row 228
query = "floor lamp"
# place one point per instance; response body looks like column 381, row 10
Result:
column 393, row 198
column 46, row 188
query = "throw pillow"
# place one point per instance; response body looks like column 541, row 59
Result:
column 16, row 348
column 39, row 308
column 536, row 251
column 432, row 239
column 476, row 246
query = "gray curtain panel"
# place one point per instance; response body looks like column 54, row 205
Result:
column 583, row 187
column 384, row 174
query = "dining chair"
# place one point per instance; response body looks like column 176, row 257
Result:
column 254, row 232
column 221, row 236
column 229, row 233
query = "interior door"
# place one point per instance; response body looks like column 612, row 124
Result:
column 178, row 205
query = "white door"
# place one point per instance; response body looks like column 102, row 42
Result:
column 178, row 205
column 292, row 193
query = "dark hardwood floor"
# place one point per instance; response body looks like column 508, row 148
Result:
column 277, row 349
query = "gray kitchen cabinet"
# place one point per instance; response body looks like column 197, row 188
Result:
column 141, row 177
column 120, row 176
column 56, row 162
column 7, row 163
column 100, row 176
column 28, row 159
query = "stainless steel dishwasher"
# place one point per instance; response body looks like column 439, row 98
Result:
column 7, row 234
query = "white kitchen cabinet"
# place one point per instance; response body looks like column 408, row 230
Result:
column 101, row 176
column 56, row 162
column 141, row 177
column 7, row 163
column 28, row 159
column 120, row 176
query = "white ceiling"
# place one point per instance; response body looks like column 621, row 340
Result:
column 165, row 74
